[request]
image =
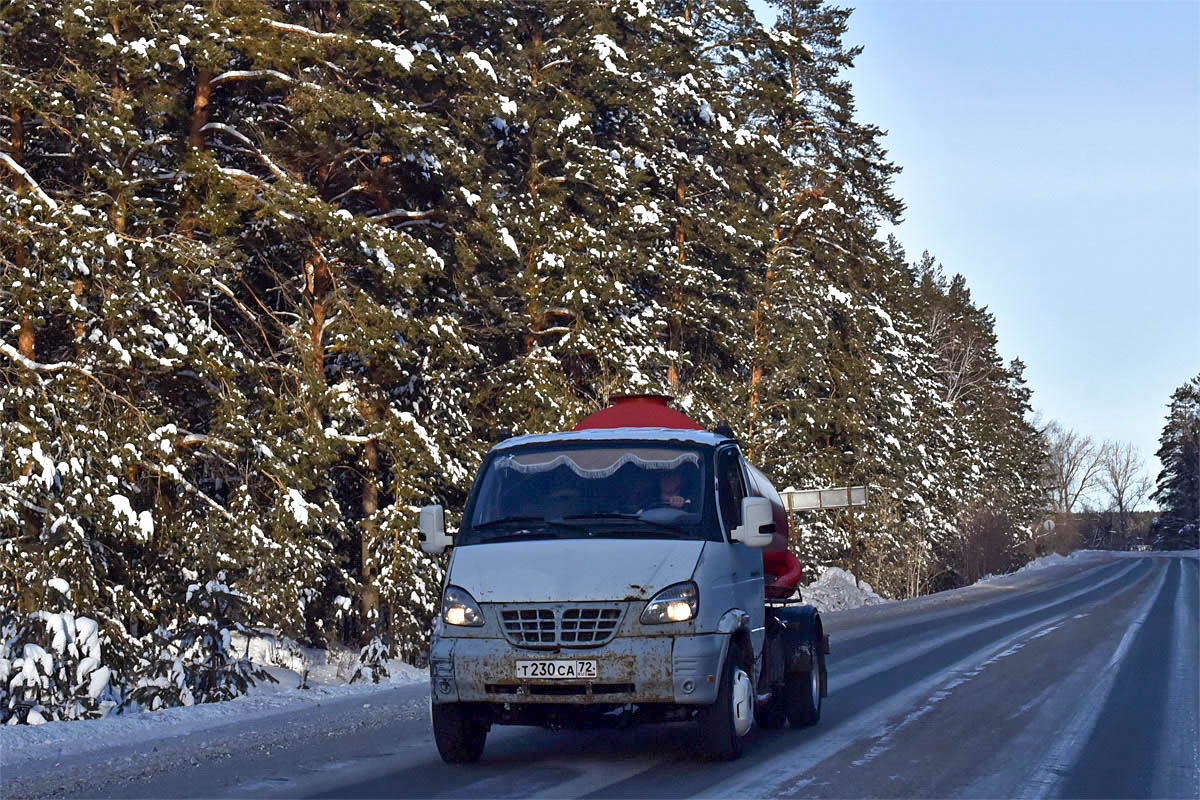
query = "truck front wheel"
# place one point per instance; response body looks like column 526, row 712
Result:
column 725, row 724
column 802, row 697
column 460, row 732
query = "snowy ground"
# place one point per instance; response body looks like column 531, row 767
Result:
column 837, row 590
column 834, row 590
column 140, row 730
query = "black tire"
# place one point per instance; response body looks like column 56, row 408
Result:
column 718, row 736
column 771, row 715
column 459, row 731
column 802, row 697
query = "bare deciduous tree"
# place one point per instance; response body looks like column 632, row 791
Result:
column 1124, row 479
column 1073, row 465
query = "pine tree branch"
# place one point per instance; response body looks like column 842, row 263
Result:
column 174, row 474
column 204, row 440
column 250, row 75
column 241, row 137
column 37, row 366
column 728, row 43
column 262, row 331
column 27, row 504
column 232, row 172
column 358, row 187
column 400, row 212
column 17, row 168
column 349, row 437
column 300, row 29
column 162, row 177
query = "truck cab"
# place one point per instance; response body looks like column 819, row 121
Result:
column 608, row 575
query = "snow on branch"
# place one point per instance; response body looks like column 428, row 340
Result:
column 27, row 504
column 251, row 74
column 241, row 137
column 17, row 168
column 400, row 212
column 174, row 475
column 37, row 366
column 300, row 29
column 204, row 440
column 351, row 438
column 240, row 173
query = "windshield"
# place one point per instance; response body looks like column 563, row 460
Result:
column 587, row 489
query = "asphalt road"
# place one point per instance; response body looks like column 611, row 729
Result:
column 1076, row 681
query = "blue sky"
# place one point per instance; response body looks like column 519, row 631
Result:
column 1051, row 154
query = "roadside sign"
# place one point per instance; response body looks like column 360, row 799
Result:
column 811, row 499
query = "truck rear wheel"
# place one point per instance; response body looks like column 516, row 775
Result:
column 459, row 731
column 802, row 696
column 719, row 723
column 771, row 714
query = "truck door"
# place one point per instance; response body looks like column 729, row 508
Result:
column 746, row 562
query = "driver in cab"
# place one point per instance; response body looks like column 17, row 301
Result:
column 670, row 490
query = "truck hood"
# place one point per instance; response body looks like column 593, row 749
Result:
column 582, row 570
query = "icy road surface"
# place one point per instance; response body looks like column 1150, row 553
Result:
column 1080, row 680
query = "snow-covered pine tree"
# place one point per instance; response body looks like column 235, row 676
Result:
column 998, row 472
column 840, row 377
column 713, row 175
column 51, row 663
column 355, row 167
column 1178, row 487
column 194, row 662
column 372, row 661
column 172, row 289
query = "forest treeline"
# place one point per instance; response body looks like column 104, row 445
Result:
column 276, row 274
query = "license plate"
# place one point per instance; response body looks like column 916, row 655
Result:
column 557, row 669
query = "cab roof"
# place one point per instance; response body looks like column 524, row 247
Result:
column 685, row 436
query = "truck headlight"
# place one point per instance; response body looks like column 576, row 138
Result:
column 459, row 608
column 677, row 603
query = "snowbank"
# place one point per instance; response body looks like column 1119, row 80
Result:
column 837, row 590
column 327, row 676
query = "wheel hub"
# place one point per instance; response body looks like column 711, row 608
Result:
column 743, row 702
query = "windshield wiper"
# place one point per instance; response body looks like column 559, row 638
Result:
column 521, row 535
column 628, row 518
column 506, row 521
column 541, row 522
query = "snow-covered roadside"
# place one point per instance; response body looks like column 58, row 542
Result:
column 1082, row 557
column 837, row 590
column 1045, row 562
column 24, row 743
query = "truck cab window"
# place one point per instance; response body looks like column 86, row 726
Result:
column 730, row 488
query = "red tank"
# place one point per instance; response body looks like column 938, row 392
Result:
column 639, row 411
column 783, row 570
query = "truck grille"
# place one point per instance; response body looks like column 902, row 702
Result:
column 569, row 626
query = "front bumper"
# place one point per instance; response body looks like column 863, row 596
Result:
column 660, row 669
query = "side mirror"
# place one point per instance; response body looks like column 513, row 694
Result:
column 758, row 523
column 434, row 539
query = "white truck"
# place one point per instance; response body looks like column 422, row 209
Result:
column 615, row 574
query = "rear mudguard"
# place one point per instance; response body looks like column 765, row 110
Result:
column 803, row 640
